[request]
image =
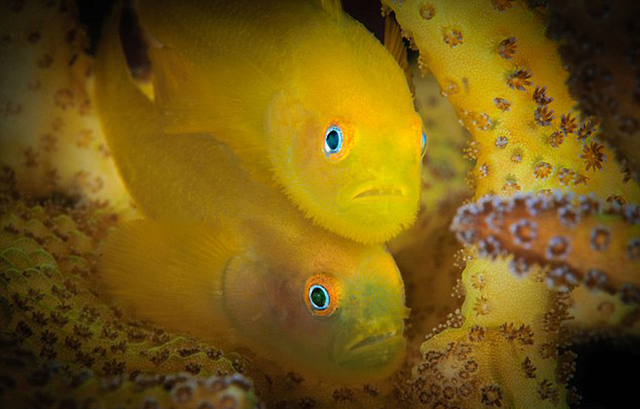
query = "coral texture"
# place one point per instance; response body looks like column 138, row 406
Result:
column 62, row 343
column 50, row 135
column 580, row 242
column 506, row 82
column 599, row 42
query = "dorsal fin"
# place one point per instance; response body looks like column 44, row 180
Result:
column 171, row 74
column 333, row 7
column 395, row 44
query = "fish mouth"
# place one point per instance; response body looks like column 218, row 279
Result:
column 379, row 191
column 373, row 354
column 372, row 340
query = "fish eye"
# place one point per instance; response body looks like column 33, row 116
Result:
column 424, row 144
column 319, row 297
column 321, row 294
column 332, row 140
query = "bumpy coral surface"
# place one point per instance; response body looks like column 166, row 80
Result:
column 62, row 344
column 600, row 43
column 579, row 241
column 49, row 133
column 504, row 352
column 506, row 82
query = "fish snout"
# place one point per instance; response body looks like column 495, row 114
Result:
column 378, row 191
column 372, row 340
column 373, row 354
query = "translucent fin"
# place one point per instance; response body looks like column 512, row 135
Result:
column 209, row 100
column 395, row 44
column 171, row 71
column 333, row 7
column 179, row 95
column 116, row 90
column 170, row 274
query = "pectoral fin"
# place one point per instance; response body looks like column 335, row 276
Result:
column 208, row 99
column 169, row 273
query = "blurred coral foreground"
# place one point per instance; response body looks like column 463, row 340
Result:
column 541, row 255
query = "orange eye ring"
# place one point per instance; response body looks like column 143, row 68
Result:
column 337, row 139
column 321, row 294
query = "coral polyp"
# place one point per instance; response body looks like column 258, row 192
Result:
column 581, row 240
column 532, row 148
column 511, row 95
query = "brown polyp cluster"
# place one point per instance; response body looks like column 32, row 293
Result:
column 62, row 346
column 33, row 383
column 579, row 239
column 600, row 44
column 507, row 84
column 49, row 134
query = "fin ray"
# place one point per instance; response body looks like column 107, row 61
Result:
column 169, row 273
column 191, row 101
column 394, row 43
column 333, row 7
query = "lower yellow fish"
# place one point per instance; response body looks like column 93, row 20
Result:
column 229, row 258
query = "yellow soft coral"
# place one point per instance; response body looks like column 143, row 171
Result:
column 505, row 80
column 504, row 354
column 50, row 136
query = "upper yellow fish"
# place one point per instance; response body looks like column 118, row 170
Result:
column 304, row 95
column 230, row 258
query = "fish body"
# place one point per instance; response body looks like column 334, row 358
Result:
column 304, row 95
column 225, row 256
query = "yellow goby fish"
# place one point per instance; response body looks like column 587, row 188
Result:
column 304, row 95
column 228, row 258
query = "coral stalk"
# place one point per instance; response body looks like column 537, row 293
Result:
column 506, row 81
column 579, row 240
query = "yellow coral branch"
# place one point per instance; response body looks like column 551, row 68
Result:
column 506, row 81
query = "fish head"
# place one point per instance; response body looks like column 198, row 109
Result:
column 324, row 323
column 350, row 160
column 367, row 340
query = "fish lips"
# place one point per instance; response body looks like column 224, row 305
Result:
column 373, row 355
column 374, row 194
column 379, row 205
column 381, row 191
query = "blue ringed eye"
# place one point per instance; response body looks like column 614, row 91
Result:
column 318, row 297
column 332, row 140
column 424, row 143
